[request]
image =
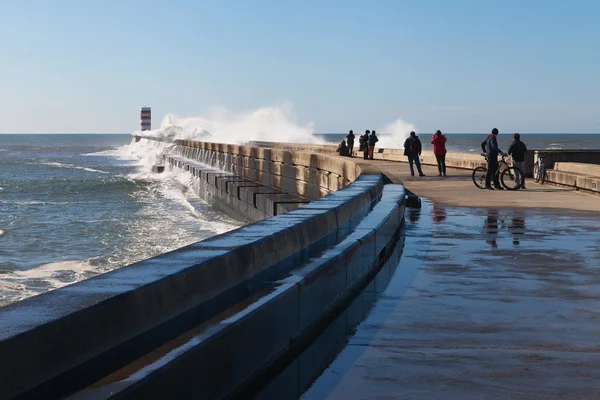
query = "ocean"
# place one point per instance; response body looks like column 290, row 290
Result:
column 470, row 142
column 73, row 206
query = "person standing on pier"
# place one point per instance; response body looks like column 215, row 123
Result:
column 350, row 137
column 517, row 150
column 372, row 140
column 439, row 149
column 412, row 149
column 366, row 144
column 491, row 150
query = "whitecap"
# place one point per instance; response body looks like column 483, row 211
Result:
column 20, row 284
column 71, row 166
column 38, row 202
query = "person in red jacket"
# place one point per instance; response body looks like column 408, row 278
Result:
column 439, row 149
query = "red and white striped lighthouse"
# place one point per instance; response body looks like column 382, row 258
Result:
column 146, row 118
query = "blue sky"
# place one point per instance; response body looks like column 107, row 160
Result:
column 459, row 66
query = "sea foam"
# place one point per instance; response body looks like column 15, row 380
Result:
column 271, row 123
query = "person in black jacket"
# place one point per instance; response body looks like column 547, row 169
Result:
column 366, row 144
column 343, row 149
column 412, row 149
column 350, row 137
column 491, row 150
column 517, row 150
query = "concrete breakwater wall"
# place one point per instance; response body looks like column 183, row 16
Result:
column 75, row 337
column 251, row 183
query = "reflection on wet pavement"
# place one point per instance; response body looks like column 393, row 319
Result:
column 494, row 304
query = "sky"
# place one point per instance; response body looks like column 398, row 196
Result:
column 460, row 66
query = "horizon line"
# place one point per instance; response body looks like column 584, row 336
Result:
column 314, row 133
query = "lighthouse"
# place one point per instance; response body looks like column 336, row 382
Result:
column 146, row 118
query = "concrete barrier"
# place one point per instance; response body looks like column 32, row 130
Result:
column 224, row 358
column 453, row 159
column 577, row 175
column 60, row 341
column 587, row 156
column 578, row 168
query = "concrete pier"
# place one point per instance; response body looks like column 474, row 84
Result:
column 492, row 298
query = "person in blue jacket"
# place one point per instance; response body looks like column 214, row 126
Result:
column 491, row 150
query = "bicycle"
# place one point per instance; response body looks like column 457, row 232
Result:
column 510, row 177
column 539, row 171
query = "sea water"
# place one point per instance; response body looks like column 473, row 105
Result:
column 73, row 206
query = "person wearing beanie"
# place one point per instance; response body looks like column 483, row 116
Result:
column 491, row 150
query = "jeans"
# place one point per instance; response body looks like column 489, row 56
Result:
column 414, row 158
column 441, row 162
column 492, row 168
column 366, row 151
column 350, row 146
column 521, row 166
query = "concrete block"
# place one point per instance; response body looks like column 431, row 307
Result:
column 323, row 283
column 588, row 183
column 360, row 256
column 228, row 184
column 287, row 207
column 269, row 202
column 235, row 187
column 221, row 181
column 212, row 177
column 249, row 193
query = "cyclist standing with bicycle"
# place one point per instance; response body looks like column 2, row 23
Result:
column 517, row 150
column 491, row 150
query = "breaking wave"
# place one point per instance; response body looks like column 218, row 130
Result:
column 393, row 135
column 273, row 123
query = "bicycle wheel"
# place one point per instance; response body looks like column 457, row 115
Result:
column 479, row 177
column 537, row 173
column 512, row 178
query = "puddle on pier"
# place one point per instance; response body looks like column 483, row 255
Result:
column 484, row 303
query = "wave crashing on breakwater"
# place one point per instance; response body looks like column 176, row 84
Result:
column 269, row 124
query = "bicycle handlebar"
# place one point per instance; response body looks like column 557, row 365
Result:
column 504, row 155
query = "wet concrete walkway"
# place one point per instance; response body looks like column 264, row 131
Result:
column 484, row 304
column 458, row 189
